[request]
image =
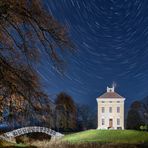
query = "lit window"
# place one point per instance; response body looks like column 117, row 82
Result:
column 103, row 122
column 118, row 109
column 110, row 109
column 103, row 109
column 118, row 121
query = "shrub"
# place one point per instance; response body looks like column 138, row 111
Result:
column 145, row 127
column 142, row 127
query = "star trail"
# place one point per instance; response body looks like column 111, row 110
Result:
column 111, row 37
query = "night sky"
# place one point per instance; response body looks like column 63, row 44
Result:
column 111, row 37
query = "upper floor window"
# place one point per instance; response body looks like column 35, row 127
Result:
column 118, row 101
column 110, row 109
column 110, row 101
column 103, row 102
column 103, row 121
column 103, row 109
column 118, row 121
column 118, row 109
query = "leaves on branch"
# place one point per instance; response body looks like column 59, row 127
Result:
column 26, row 31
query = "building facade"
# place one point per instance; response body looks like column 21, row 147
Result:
column 110, row 110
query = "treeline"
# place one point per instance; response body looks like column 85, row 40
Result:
column 63, row 115
column 70, row 116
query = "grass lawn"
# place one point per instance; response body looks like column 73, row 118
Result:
column 107, row 136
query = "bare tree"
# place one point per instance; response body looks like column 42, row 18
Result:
column 66, row 111
column 26, row 31
column 86, row 117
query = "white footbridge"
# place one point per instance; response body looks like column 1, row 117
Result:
column 9, row 136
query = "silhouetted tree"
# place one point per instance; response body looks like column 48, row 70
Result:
column 27, row 31
column 66, row 111
column 134, row 120
column 86, row 117
column 145, row 108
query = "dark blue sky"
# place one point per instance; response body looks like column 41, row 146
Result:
column 112, row 41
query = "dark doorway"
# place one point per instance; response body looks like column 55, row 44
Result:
column 110, row 123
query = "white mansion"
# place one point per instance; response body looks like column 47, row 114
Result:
column 110, row 110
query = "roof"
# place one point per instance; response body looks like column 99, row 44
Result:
column 110, row 95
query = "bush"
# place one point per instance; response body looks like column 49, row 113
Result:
column 145, row 127
column 142, row 127
column 22, row 139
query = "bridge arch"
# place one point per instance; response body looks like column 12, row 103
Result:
column 8, row 136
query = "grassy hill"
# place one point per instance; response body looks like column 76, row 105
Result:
column 108, row 136
column 92, row 139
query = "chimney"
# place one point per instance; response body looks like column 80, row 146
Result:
column 112, row 89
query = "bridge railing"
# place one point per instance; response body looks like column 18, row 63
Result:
column 24, row 130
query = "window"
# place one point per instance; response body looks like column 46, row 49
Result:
column 110, row 109
column 118, row 101
column 102, row 101
column 118, row 109
column 119, row 128
column 118, row 121
column 103, row 109
column 103, row 122
column 110, row 101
